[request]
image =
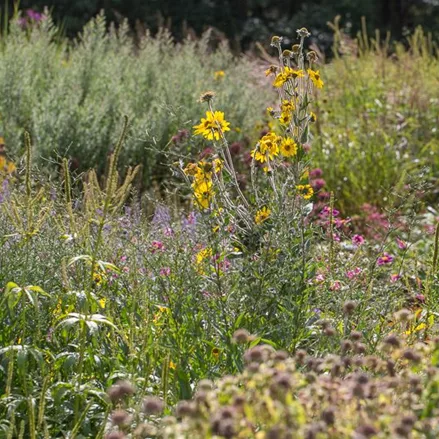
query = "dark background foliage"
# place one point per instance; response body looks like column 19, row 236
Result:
column 247, row 21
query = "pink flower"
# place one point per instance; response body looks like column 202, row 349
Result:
column 325, row 212
column 315, row 173
column 385, row 259
column 353, row 273
column 157, row 246
column 166, row 271
column 357, row 240
column 401, row 244
column 395, row 278
column 168, row 231
column 318, row 183
column 420, row 297
column 319, row 278
column 335, row 286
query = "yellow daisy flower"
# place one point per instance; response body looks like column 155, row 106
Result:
column 212, row 126
column 305, row 191
column 203, row 193
column 285, row 118
column 262, row 215
column 288, row 148
column 315, row 78
column 286, row 75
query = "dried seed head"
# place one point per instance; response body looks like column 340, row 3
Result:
column 115, row 435
column 253, row 367
column 145, row 430
column 275, row 432
column 283, row 380
column 120, row 390
column 207, row 96
column 356, row 335
column 152, row 405
column 366, row 431
column 280, row 355
column 329, row 331
column 312, row 56
column 276, row 41
column 328, row 416
column 310, row 377
column 361, row 378
column 185, row 408
column 205, row 385
column 409, row 420
column 200, row 397
column 169, row 420
column 256, row 354
column 393, row 341
column 402, row 430
column 346, row 346
column 287, row 53
column 300, row 356
column 411, row 355
column 303, row 32
column 227, row 412
column 224, row 427
column 359, row 348
column 403, row 315
column 414, row 380
column 120, row 417
column 323, row 323
column 349, row 306
column 296, row 48
column 241, row 336
column 239, row 400
column 390, row 365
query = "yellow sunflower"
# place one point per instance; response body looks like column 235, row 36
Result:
column 315, row 78
column 288, row 148
column 212, row 126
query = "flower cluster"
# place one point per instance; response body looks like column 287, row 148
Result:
column 352, row 395
column 202, row 185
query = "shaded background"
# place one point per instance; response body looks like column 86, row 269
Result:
column 247, row 21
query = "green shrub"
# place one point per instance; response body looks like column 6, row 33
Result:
column 71, row 96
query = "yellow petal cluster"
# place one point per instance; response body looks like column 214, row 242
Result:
column 202, row 185
column 287, row 74
column 288, row 147
column 212, row 126
column 305, row 191
column 315, row 78
column 262, row 215
column 267, row 148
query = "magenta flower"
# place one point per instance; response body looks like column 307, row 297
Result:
column 325, row 212
column 319, row 278
column 335, row 286
column 357, row 240
column 420, row 297
column 318, row 183
column 385, row 259
column 353, row 273
column 157, row 246
column 395, row 278
column 401, row 244
column 165, row 271
column 315, row 173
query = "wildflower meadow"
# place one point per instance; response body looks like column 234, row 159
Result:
column 196, row 244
